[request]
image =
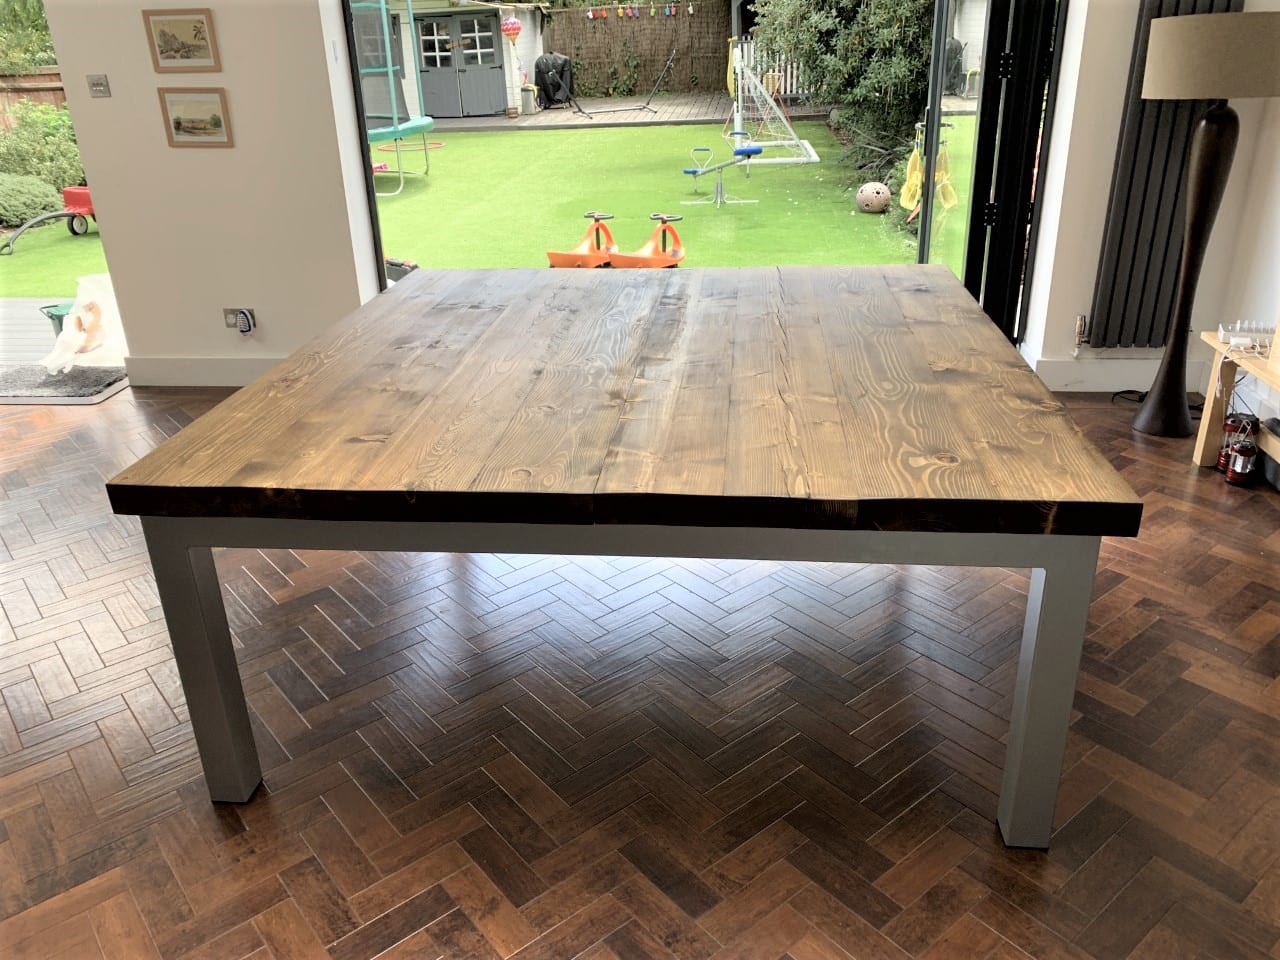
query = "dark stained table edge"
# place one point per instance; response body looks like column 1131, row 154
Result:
column 1064, row 518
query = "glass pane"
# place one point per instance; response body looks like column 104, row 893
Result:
column 477, row 38
column 953, row 198
column 435, row 44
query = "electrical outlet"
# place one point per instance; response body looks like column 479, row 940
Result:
column 240, row 318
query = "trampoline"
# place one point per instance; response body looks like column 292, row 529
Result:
column 386, row 115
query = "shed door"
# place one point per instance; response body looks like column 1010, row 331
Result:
column 461, row 63
column 480, row 42
column 441, row 88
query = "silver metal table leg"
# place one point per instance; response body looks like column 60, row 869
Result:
column 192, row 602
column 1052, row 638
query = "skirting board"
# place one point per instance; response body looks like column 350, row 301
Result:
column 196, row 371
column 1094, row 375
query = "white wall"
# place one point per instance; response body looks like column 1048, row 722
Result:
column 971, row 30
column 1254, row 280
column 279, row 222
column 1074, row 184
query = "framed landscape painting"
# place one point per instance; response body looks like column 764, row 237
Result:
column 182, row 41
column 196, row 116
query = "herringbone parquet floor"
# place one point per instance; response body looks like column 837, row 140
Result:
column 540, row 757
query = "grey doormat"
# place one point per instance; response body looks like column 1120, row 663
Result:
column 31, row 383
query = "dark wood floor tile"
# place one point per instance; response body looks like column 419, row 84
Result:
column 393, row 926
column 833, row 834
column 666, row 872
column 843, row 926
column 1020, row 890
column 750, row 746
column 1088, row 830
column 579, row 889
column 908, row 787
column 1021, row 929
column 403, row 882
column 1210, row 937
column 582, row 783
column 1122, row 924
column 1187, row 859
column 671, row 925
column 633, row 941
column 489, row 911
column 743, row 822
column 576, row 934
column 916, row 873
column 286, row 933
column 732, row 919
column 843, row 882
column 215, row 920
column 928, row 918
column 341, row 857
column 1104, row 875
column 502, row 865
column 321, row 902
column 735, row 870
column 831, row 767
column 456, row 936
column 682, row 761
column 513, row 824
column 915, row 825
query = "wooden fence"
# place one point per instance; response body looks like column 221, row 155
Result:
column 773, row 70
column 623, row 55
column 43, row 86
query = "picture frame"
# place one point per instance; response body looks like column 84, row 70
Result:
column 182, row 40
column 196, row 116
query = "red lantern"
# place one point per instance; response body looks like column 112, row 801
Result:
column 511, row 28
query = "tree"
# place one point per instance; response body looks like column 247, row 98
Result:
column 25, row 43
column 867, row 58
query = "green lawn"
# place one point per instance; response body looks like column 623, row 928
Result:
column 47, row 260
column 503, row 199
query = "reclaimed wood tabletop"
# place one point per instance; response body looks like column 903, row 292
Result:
column 857, row 398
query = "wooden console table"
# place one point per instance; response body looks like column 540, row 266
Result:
column 800, row 413
column 1217, row 398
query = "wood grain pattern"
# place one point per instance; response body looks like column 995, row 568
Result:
column 811, row 397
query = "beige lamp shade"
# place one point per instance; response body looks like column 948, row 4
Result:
column 1213, row 56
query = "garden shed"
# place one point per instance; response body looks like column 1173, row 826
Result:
column 467, row 67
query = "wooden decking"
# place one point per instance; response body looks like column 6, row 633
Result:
column 668, row 109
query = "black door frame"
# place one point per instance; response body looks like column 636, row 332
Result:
column 1021, row 59
column 362, row 130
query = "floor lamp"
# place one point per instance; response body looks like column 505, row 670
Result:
column 1216, row 57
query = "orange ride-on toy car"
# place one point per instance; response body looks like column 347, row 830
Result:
column 595, row 250
column 663, row 249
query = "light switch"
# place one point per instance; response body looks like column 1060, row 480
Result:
column 98, row 85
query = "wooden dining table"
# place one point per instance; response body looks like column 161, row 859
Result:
column 861, row 414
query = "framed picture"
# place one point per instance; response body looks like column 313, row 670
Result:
column 182, row 41
column 196, row 116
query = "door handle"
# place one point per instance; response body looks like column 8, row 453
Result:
column 462, row 69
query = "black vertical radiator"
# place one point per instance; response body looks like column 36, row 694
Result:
column 1138, row 268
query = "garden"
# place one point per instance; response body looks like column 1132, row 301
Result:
column 504, row 198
